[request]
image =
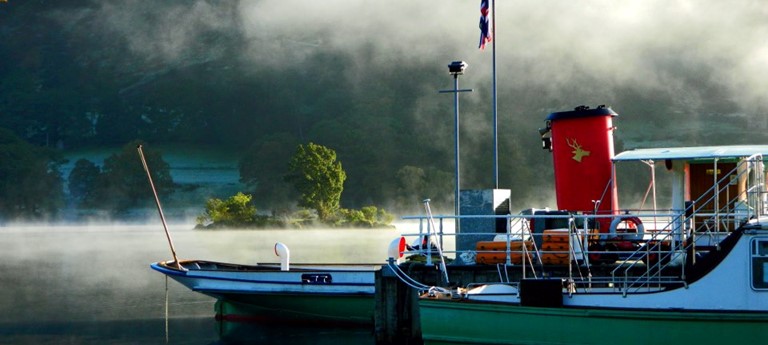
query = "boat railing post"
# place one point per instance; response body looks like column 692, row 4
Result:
column 693, row 242
column 423, row 231
column 523, row 228
column 423, row 238
column 585, row 240
column 716, row 197
column 763, row 188
column 440, row 235
column 585, row 252
column 571, row 253
column 428, row 242
column 431, row 220
column 508, row 226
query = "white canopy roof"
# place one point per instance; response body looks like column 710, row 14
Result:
column 699, row 152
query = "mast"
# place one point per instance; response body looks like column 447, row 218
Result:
column 495, row 118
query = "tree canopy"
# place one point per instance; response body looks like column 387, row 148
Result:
column 30, row 181
column 319, row 177
column 122, row 182
column 235, row 212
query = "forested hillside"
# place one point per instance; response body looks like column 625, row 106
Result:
column 254, row 79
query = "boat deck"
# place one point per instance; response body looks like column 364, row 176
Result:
column 596, row 276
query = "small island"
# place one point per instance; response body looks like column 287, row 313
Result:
column 319, row 178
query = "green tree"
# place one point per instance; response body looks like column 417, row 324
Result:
column 368, row 216
column 237, row 211
column 30, row 181
column 318, row 177
column 123, row 182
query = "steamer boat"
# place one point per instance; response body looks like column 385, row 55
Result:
column 590, row 272
column 336, row 294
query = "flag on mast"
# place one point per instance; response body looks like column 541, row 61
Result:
column 485, row 33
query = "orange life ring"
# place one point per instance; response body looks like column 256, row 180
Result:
column 633, row 222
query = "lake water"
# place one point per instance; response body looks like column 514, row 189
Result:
column 93, row 285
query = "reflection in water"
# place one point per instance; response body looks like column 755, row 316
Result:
column 255, row 333
column 201, row 330
column 93, row 285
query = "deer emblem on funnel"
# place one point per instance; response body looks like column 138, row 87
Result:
column 578, row 152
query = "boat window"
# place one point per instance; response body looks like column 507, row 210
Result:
column 760, row 264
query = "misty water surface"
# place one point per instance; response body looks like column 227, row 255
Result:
column 92, row 284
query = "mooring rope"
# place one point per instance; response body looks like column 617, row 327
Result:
column 405, row 278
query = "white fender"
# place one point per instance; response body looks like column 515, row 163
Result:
column 282, row 251
column 396, row 248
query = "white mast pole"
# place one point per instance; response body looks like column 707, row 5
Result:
column 495, row 118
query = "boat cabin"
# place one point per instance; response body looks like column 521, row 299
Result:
column 720, row 187
column 712, row 191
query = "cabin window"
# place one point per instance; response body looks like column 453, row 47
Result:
column 760, row 264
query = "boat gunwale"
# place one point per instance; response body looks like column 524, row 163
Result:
column 267, row 267
column 163, row 267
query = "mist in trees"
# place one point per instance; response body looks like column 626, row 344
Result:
column 230, row 76
column 379, row 117
column 317, row 175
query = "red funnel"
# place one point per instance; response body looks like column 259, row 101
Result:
column 582, row 148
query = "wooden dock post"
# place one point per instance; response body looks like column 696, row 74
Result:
column 396, row 316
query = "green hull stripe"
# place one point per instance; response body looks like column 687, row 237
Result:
column 312, row 308
column 452, row 322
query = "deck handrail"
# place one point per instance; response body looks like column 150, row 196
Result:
column 672, row 237
column 756, row 183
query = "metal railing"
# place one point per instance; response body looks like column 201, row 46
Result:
column 646, row 259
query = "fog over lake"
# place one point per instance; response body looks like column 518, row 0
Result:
column 93, row 284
